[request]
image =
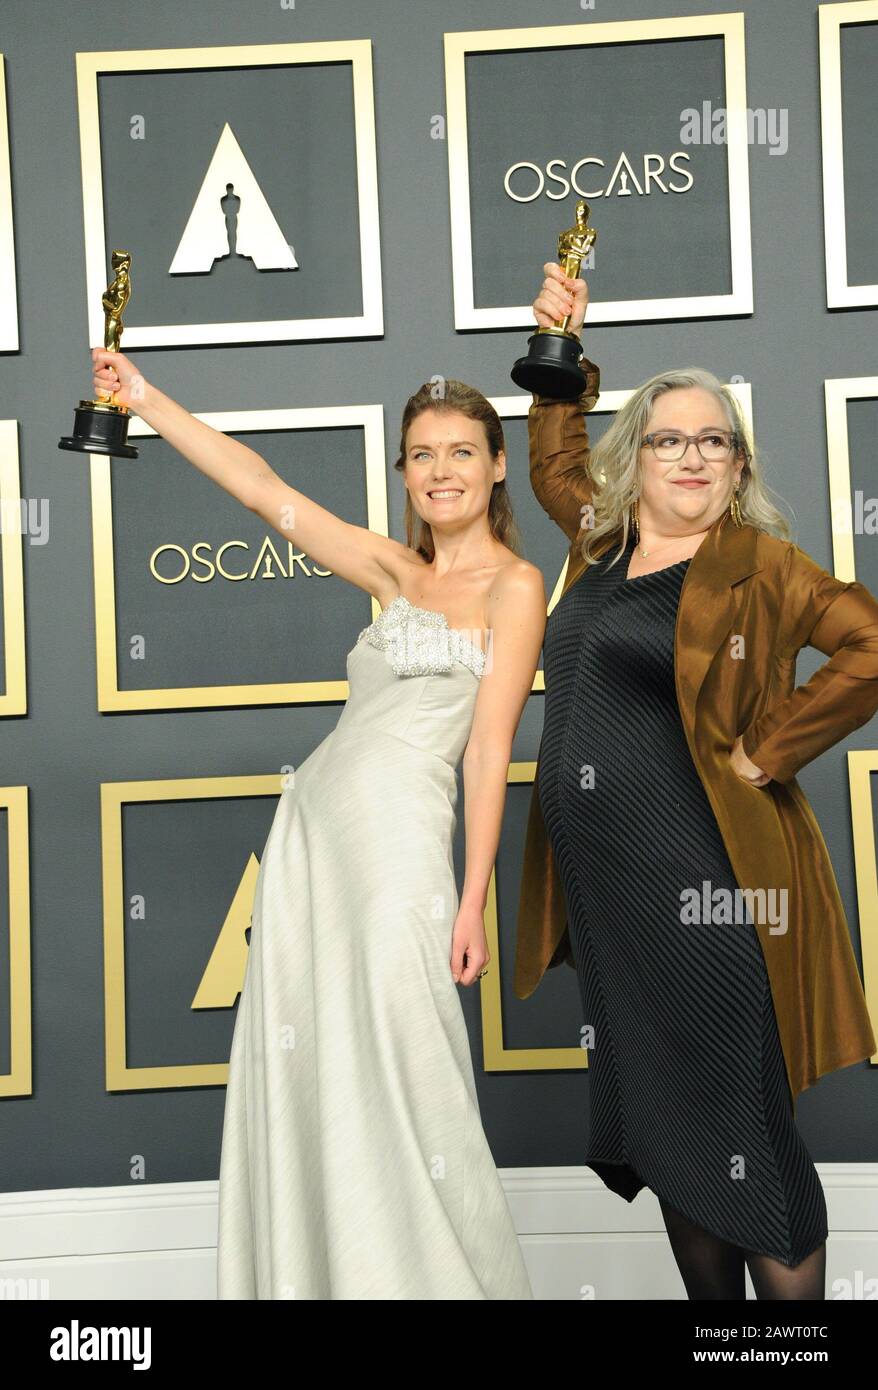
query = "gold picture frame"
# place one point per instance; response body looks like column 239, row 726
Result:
column 729, row 27
column 838, row 391
column 839, row 293
column 357, row 52
column 13, row 700
column 113, row 699
column 18, row 1081
column 861, row 764
column 9, row 338
column 496, row 1056
column 114, row 796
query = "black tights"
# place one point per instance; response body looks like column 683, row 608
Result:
column 712, row 1268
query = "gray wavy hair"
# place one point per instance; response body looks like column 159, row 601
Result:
column 614, row 462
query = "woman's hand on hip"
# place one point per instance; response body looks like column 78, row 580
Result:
column 743, row 768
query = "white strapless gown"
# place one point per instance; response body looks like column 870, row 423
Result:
column 354, row 1164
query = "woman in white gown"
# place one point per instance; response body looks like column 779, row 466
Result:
column 354, row 1164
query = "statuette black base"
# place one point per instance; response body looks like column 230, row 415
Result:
column 100, row 428
column 551, row 367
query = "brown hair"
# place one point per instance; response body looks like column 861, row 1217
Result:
column 446, row 396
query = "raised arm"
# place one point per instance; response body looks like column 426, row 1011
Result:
column 363, row 557
column 557, row 436
column 559, row 449
column 841, row 620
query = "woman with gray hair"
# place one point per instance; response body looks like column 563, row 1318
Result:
column 665, row 795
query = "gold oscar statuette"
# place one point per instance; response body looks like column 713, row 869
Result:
column 551, row 367
column 101, row 426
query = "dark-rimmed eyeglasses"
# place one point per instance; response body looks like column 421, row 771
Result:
column 669, row 446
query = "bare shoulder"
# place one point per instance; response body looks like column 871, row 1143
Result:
column 401, row 566
column 517, row 589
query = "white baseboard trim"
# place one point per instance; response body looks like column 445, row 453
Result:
column 580, row 1241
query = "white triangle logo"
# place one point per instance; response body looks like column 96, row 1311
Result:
column 230, row 195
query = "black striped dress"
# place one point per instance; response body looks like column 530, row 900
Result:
column 689, row 1092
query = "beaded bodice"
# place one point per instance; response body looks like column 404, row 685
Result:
column 413, row 683
column 420, row 642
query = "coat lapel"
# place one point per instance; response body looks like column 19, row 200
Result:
column 708, row 603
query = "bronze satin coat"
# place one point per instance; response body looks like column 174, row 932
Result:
column 740, row 583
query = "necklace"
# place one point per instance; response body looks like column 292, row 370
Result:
column 646, row 553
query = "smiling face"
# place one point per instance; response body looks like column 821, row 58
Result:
column 449, row 471
column 690, row 494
